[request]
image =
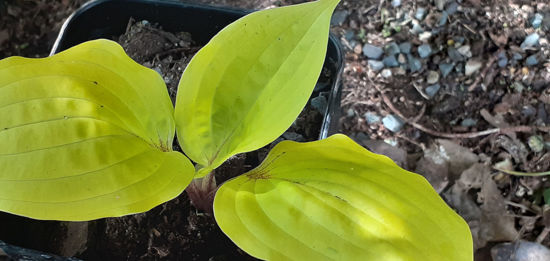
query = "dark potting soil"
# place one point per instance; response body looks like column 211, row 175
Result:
column 176, row 229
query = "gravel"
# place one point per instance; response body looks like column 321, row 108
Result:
column 445, row 69
column 424, row 50
column 472, row 66
column 392, row 123
column 530, row 41
column 376, row 65
column 372, row 52
column 390, row 61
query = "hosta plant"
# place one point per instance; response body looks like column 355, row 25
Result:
column 88, row 133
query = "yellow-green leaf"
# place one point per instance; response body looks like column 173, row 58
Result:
column 85, row 134
column 334, row 200
column 250, row 82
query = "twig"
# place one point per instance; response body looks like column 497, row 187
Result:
column 526, row 174
column 484, row 72
column 467, row 135
column 543, row 235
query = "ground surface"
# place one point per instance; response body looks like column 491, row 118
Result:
column 471, row 95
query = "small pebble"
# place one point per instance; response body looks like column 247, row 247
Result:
column 349, row 35
column 400, row 71
column 530, row 41
column 536, row 21
column 425, row 36
column 320, row 104
column 502, row 59
column 396, row 3
column 392, row 123
column 424, row 50
column 451, row 8
column 455, row 55
column 390, row 61
column 465, row 51
column 376, row 65
column 468, row 122
column 433, row 77
column 536, row 143
column 531, row 60
column 528, row 111
column 518, row 87
column 417, row 29
column 432, row 90
column 414, row 64
column 517, row 56
column 445, row 69
column 440, row 4
column 372, row 52
column 392, row 48
column 339, row 17
column 402, row 59
column 420, row 13
column 371, row 117
column 472, row 66
column 386, row 73
column 443, row 18
column 350, row 113
column 405, row 47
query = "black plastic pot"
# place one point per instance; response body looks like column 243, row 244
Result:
column 109, row 18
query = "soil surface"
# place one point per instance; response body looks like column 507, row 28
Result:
column 176, row 230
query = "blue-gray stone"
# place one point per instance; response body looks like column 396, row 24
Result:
column 392, row 123
column 502, row 62
column 536, row 21
column 459, row 39
column 445, row 69
column 451, row 8
column 320, row 86
column 392, row 48
column 420, row 13
column 528, row 110
column 405, row 47
column 502, row 59
column 414, row 64
column 339, row 17
column 424, row 50
column 530, row 41
column 432, row 90
column 376, row 65
column 372, row 117
column 443, row 18
column 517, row 56
column 455, row 55
column 531, row 60
column 390, row 61
column 319, row 103
column 417, row 29
column 371, row 51
column 386, row 73
column 349, row 35
column 396, row 3
column 468, row 122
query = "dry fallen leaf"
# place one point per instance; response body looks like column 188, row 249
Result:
column 489, row 222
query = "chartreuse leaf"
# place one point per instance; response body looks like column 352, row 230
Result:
column 250, row 82
column 334, row 200
column 85, row 134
